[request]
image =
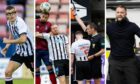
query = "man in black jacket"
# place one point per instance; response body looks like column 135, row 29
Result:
column 122, row 61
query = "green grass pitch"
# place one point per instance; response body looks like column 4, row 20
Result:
column 19, row 81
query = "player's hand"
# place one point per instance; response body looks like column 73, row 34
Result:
column 72, row 8
column 5, row 40
column 74, row 11
column 90, row 57
column 36, row 34
column 3, row 51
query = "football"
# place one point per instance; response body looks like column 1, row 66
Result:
column 45, row 7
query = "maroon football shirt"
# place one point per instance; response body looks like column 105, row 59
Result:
column 42, row 44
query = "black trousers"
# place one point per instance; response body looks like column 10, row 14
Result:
column 123, row 72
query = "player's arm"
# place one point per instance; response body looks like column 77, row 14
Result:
column 39, row 35
column 22, row 31
column 96, row 54
column 67, row 45
column 20, row 40
column 4, row 50
column 10, row 37
column 43, row 35
column 79, row 20
column 72, row 61
column 100, row 52
column 72, row 56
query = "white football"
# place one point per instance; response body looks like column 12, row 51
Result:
column 45, row 7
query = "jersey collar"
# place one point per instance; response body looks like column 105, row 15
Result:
column 14, row 21
column 93, row 35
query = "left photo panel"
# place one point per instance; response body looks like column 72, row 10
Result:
column 17, row 41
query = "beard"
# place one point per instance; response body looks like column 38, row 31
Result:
column 121, row 19
column 43, row 21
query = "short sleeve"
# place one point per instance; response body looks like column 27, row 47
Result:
column 7, row 28
column 102, row 42
column 72, row 48
column 66, row 39
column 22, row 27
column 46, row 35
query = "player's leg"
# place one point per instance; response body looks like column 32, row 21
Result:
column 96, row 70
column 15, row 62
column 12, row 66
column 88, row 81
column 80, row 82
column 60, row 72
column 97, row 81
column 52, row 74
column 87, row 72
column 38, row 64
column 66, row 69
column 67, row 79
column 62, row 79
column 38, row 79
column 29, row 62
column 45, row 58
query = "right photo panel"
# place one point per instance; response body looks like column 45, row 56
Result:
column 122, row 41
column 87, row 42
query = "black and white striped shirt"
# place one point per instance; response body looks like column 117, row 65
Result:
column 18, row 28
column 57, row 45
column 80, row 49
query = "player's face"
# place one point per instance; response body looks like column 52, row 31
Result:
column 78, row 36
column 120, row 13
column 44, row 17
column 54, row 29
column 11, row 15
column 90, row 30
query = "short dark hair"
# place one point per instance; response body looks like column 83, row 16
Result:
column 10, row 7
column 44, row 12
column 92, row 25
column 121, row 6
column 78, row 32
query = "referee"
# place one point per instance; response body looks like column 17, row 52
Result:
column 19, row 35
column 79, row 50
column 122, row 61
column 58, row 52
column 96, row 49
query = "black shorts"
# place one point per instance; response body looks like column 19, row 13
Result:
column 82, row 70
column 61, row 67
column 29, row 60
column 96, row 71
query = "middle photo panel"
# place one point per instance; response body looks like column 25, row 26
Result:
column 87, row 38
column 52, row 41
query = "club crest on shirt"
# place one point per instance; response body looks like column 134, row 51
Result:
column 93, row 45
column 37, row 27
